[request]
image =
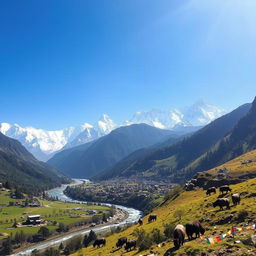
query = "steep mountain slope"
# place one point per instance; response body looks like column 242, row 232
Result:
column 241, row 139
column 234, row 171
column 171, row 161
column 20, row 168
column 182, row 207
column 87, row 160
column 137, row 155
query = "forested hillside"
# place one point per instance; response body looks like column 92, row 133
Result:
column 21, row 169
column 179, row 162
column 89, row 159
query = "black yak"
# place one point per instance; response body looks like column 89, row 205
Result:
column 221, row 202
column 121, row 241
column 194, row 228
column 225, row 188
column 99, row 242
column 152, row 217
column 211, row 190
column 130, row 245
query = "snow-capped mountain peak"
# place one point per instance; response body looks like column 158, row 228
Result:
column 198, row 114
column 43, row 143
column 105, row 125
column 202, row 113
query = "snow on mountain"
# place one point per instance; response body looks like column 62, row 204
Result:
column 104, row 126
column 159, row 118
column 199, row 114
column 202, row 113
column 43, row 144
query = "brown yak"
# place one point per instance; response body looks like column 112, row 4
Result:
column 194, row 227
column 178, row 236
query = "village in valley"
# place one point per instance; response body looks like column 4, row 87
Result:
column 129, row 192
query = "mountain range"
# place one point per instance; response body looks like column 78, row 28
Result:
column 91, row 158
column 43, row 144
column 217, row 142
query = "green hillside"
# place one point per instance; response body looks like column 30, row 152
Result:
column 89, row 159
column 20, row 168
column 185, row 206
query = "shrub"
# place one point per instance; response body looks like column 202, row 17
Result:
column 88, row 239
column 44, row 232
column 157, row 236
column 144, row 240
column 73, row 245
column 178, row 214
column 168, row 230
column 242, row 215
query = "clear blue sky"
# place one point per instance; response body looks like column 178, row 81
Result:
column 65, row 62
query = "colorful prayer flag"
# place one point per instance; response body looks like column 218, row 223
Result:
column 217, row 239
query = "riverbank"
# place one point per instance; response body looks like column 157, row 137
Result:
column 119, row 216
column 125, row 216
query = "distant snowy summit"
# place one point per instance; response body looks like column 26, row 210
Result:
column 43, row 144
column 199, row 114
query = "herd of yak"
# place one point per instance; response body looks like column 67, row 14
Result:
column 180, row 231
column 195, row 227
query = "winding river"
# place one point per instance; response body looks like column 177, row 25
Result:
column 133, row 216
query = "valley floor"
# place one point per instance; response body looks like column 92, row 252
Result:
column 67, row 217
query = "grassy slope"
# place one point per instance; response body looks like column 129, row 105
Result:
column 196, row 206
column 237, row 169
column 52, row 211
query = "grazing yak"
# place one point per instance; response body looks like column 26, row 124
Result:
column 194, row 227
column 178, row 236
column 210, row 191
column 99, row 242
column 221, row 202
column 225, row 188
column 140, row 222
column 152, row 217
column 121, row 241
column 130, row 245
column 236, row 199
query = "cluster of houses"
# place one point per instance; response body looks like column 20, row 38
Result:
column 121, row 187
